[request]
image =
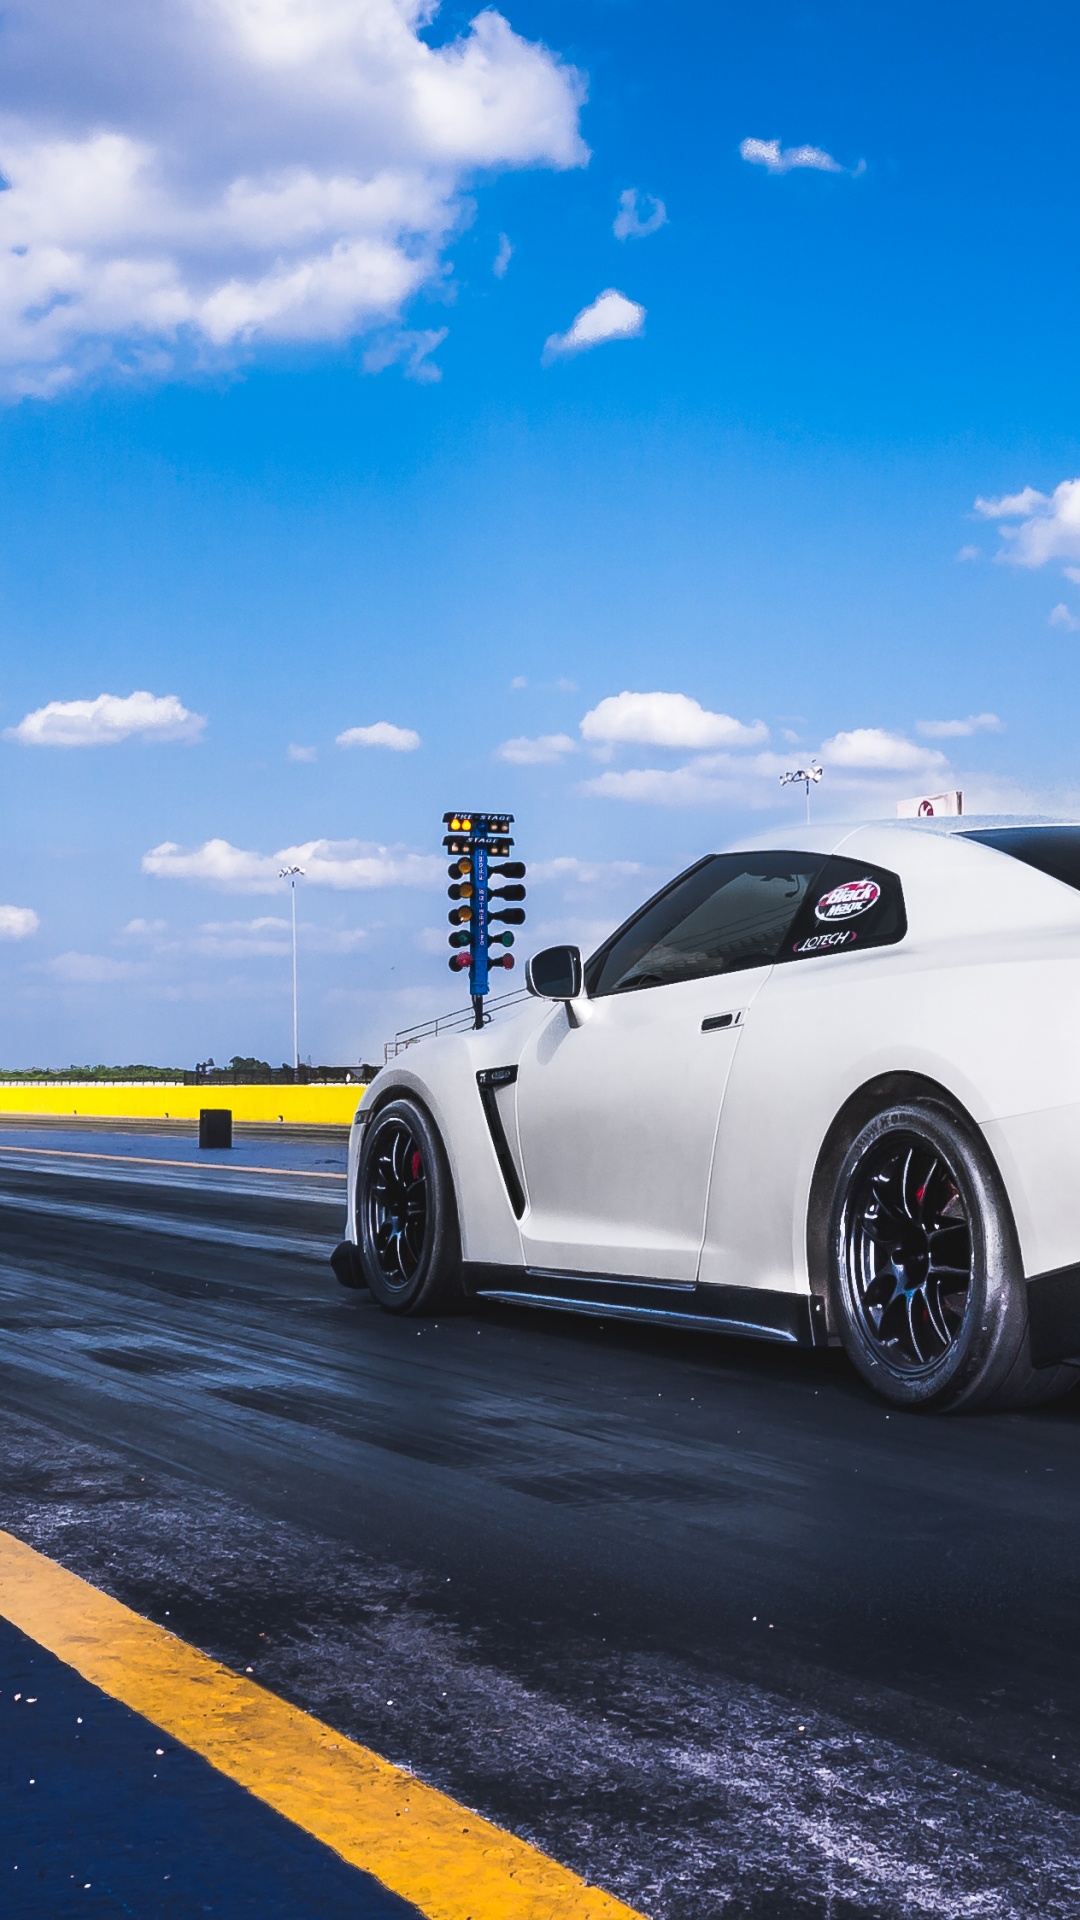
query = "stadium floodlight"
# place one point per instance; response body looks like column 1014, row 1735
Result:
column 808, row 776
column 290, row 874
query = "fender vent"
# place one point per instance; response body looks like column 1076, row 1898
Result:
column 489, row 1082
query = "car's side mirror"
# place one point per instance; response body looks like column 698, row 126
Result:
column 555, row 974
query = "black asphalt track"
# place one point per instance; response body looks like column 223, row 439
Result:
column 698, row 1617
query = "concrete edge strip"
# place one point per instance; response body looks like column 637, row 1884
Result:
column 449, row 1862
column 142, row 1160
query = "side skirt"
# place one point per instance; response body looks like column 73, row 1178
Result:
column 754, row 1313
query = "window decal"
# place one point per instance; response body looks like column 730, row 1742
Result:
column 846, row 901
column 825, row 942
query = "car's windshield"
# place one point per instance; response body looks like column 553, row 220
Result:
column 730, row 912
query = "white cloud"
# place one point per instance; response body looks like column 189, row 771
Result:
column 876, row 750
column 540, row 752
column 191, row 178
column 631, row 222
column 611, row 317
column 347, row 865
column 140, row 929
column 664, row 787
column 18, row 923
column 969, row 553
column 1060, row 616
column 778, row 159
column 382, row 734
column 108, row 719
column 503, row 257
column 304, row 756
column 236, row 939
column 959, row 729
column 1012, row 506
column 93, row 969
column 409, row 350
column 267, row 936
column 1049, row 524
column 666, row 720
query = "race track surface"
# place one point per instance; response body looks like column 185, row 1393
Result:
column 699, row 1618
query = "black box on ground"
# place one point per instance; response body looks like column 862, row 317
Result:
column 215, row 1126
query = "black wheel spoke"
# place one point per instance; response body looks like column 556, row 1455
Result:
column 932, row 1298
column 909, row 1252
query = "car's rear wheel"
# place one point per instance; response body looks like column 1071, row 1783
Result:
column 928, row 1291
column 408, row 1245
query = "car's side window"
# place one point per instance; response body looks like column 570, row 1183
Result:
column 849, row 906
column 732, row 911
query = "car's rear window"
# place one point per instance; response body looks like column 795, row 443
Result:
column 1053, row 850
column 850, row 907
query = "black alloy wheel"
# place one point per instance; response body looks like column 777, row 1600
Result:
column 909, row 1251
column 926, row 1282
column 396, row 1204
column 408, row 1247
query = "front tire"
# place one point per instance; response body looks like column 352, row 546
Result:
column 408, row 1245
column 928, row 1290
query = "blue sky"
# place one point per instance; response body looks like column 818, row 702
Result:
column 302, row 433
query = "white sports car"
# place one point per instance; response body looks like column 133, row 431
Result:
column 826, row 1091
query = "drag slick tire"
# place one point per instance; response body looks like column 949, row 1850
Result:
column 408, row 1245
column 928, row 1290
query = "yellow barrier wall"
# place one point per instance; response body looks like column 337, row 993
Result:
column 294, row 1106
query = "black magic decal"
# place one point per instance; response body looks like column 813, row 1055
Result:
column 825, row 942
column 848, row 900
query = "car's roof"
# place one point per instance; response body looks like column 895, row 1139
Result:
column 830, row 836
column 954, row 885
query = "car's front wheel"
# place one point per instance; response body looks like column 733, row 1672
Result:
column 408, row 1246
column 928, row 1291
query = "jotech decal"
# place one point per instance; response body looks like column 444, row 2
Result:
column 825, row 942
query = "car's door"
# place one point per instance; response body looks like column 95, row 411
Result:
column 618, row 1098
column 817, row 1012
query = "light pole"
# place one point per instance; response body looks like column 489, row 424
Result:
column 808, row 775
column 290, row 874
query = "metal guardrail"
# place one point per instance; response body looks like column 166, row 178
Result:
column 449, row 1023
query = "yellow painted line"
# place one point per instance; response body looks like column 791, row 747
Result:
column 144, row 1160
column 450, row 1862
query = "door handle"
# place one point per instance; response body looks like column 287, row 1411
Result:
column 721, row 1020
